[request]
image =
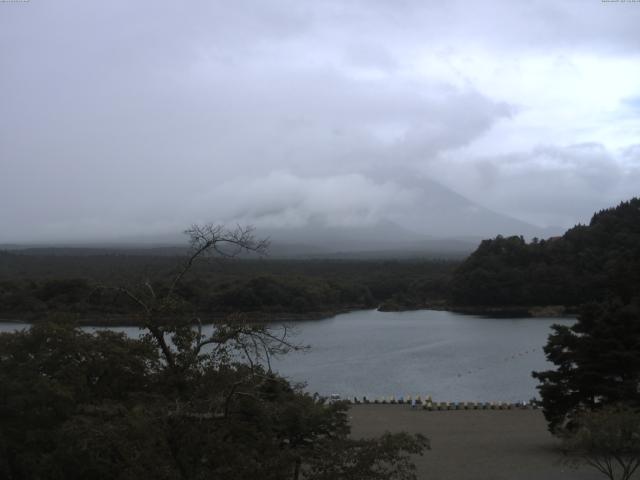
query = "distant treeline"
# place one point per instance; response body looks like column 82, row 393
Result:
column 588, row 263
column 38, row 286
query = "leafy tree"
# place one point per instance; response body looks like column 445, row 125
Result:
column 597, row 363
column 588, row 263
column 176, row 403
column 608, row 440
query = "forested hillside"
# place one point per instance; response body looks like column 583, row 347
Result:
column 588, row 263
column 36, row 286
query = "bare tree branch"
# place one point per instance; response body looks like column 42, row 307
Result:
column 203, row 238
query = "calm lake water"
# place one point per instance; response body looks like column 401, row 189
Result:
column 449, row 356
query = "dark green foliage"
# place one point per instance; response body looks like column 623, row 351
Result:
column 32, row 287
column 597, row 363
column 608, row 440
column 75, row 405
column 52, row 375
column 588, row 263
column 65, row 291
column 297, row 294
column 385, row 458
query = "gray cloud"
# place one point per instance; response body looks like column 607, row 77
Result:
column 132, row 117
column 552, row 185
column 282, row 199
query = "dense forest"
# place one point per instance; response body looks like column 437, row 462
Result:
column 36, row 285
column 588, row 263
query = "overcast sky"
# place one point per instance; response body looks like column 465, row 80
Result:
column 139, row 117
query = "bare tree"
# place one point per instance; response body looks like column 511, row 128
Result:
column 181, row 339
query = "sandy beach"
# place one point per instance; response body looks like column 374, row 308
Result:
column 475, row 444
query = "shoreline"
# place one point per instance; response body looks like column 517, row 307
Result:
column 516, row 311
column 129, row 320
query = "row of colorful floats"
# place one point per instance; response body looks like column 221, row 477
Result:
column 427, row 403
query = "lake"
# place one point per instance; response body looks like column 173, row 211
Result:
column 449, row 356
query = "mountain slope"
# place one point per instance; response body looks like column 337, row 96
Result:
column 440, row 212
column 431, row 220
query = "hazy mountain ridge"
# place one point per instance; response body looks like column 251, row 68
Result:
column 439, row 221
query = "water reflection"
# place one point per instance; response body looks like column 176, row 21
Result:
column 448, row 356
